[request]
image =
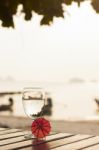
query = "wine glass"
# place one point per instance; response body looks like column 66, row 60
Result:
column 33, row 103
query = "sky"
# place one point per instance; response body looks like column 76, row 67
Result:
column 66, row 49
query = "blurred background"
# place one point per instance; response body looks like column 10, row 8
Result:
column 62, row 58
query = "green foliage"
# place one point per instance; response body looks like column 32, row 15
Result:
column 47, row 8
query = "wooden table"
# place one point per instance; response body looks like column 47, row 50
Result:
column 13, row 139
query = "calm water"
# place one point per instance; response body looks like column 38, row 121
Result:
column 70, row 101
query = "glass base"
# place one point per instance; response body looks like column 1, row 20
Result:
column 28, row 134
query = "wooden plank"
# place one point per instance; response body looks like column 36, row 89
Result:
column 9, row 131
column 2, row 129
column 11, row 140
column 94, row 147
column 29, row 142
column 80, row 145
column 7, row 136
column 59, row 142
column 16, row 139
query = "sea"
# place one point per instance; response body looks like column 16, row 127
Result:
column 70, row 101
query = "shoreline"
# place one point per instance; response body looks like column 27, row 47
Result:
column 69, row 126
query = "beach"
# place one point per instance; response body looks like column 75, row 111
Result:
column 75, row 127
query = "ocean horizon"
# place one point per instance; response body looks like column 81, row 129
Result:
column 71, row 101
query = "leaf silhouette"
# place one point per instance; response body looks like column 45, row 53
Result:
column 47, row 8
column 95, row 5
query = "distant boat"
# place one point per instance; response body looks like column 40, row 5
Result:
column 7, row 107
column 76, row 80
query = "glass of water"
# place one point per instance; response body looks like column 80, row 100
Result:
column 33, row 103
